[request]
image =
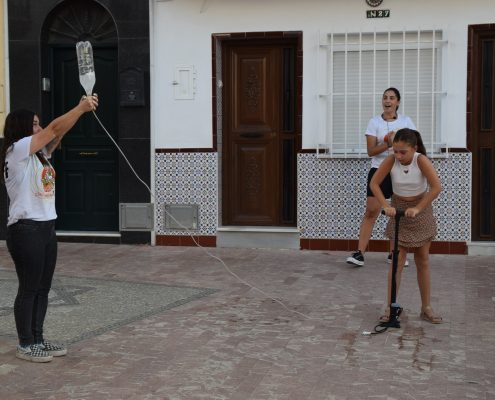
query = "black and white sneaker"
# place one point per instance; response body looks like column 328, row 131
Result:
column 356, row 258
column 53, row 349
column 389, row 260
column 33, row 353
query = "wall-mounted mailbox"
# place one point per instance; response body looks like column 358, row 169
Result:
column 132, row 88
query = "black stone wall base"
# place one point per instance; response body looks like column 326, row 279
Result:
column 135, row 237
column 125, row 238
column 89, row 239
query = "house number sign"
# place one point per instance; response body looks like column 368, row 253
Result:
column 377, row 13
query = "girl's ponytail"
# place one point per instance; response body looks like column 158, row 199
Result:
column 411, row 137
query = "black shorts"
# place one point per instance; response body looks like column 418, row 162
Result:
column 386, row 185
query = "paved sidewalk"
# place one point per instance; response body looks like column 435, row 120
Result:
column 226, row 340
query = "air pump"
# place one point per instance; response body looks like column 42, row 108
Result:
column 394, row 309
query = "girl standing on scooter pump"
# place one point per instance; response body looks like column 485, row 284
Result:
column 412, row 173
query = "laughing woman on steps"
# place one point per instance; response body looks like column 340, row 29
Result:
column 379, row 137
column 30, row 181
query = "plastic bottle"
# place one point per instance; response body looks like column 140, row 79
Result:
column 87, row 75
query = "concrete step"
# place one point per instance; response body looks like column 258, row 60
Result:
column 267, row 237
column 481, row 248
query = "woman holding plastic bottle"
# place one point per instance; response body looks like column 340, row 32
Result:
column 30, row 181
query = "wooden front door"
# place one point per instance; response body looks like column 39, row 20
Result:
column 86, row 165
column 258, row 135
column 483, row 134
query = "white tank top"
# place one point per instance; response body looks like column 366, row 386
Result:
column 408, row 180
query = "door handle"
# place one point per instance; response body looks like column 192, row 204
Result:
column 88, row 153
column 251, row 135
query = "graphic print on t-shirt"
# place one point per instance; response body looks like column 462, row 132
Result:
column 42, row 178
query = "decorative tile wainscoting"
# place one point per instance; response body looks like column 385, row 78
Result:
column 331, row 200
column 332, row 196
column 187, row 178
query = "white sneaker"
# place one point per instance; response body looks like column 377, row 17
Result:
column 33, row 353
column 389, row 260
column 356, row 258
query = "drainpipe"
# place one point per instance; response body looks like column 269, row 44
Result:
column 152, row 119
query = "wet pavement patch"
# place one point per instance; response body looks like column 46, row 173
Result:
column 81, row 308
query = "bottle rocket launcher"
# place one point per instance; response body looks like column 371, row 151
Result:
column 87, row 75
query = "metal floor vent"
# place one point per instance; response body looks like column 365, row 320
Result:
column 136, row 216
column 185, row 216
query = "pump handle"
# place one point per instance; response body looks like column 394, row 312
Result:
column 398, row 213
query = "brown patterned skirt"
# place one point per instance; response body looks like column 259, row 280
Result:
column 413, row 232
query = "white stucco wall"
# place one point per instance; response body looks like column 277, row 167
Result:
column 181, row 35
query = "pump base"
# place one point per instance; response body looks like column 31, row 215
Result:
column 395, row 312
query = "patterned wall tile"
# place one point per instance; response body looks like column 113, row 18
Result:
column 332, row 196
column 187, row 178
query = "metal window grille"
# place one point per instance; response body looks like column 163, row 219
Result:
column 358, row 67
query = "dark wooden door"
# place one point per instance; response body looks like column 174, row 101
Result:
column 483, row 135
column 86, row 164
column 258, row 138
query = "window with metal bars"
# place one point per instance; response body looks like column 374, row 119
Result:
column 358, row 67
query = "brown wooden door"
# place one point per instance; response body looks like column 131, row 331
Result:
column 483, row 134
column 258, row 149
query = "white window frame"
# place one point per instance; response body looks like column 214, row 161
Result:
column 422, row 100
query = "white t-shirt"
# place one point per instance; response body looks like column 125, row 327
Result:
column 378, row 127
column 30, row 183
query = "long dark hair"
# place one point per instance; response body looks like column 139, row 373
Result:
column 18, row 124
column 412, row 138
column 396, row 92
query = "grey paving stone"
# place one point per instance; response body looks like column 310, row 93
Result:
column 296, row 335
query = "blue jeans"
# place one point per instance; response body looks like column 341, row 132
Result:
column 33, row 247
